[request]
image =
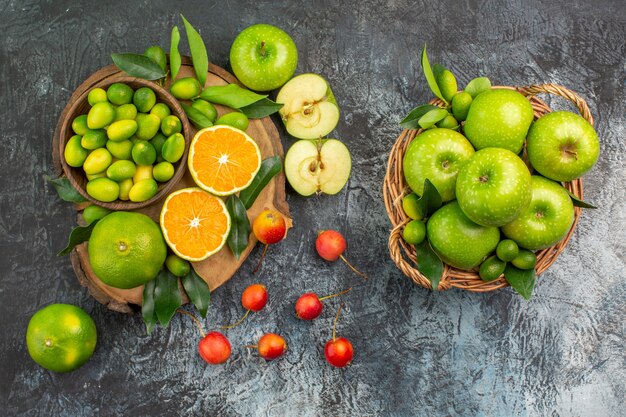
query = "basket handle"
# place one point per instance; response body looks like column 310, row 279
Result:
column 560, row 91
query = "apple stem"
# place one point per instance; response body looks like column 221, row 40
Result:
column 238, row 322
column 252, row 346
column 258, row 265
column 194, row 319
column 262, row 48
column 335, row 322
column 353, row 268
column 335, row 295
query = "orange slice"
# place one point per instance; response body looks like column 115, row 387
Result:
column 223, row 159
column 195, row 224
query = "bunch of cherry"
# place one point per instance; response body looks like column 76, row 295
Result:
column 269, row 228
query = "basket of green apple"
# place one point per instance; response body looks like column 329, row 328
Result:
column 483, row 186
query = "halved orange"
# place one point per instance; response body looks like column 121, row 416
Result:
column 195, row 224
column 223, row 159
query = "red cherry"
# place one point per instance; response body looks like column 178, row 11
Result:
column 214, row 348
column 254, row 297
column 271, row 346
column 339, row 352
column 308, row 306
column 331, row 245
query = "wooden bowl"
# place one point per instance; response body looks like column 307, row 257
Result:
column 81, row 106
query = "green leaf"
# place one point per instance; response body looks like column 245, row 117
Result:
column 428, row 263
column 230, row 95
column 430, row 77
column 261, row 108
column 78, row 235
column 65, row 189
column 580, row 203
column 196, row 116
column 147, row 306
column 139, row 66
column 522, row 280
column 430, row 200
column 167, row 296
column 411, row 119
column 432, row 117
column 198, row 291
column 269, row 168
column 477, row 86
column 199, row 55
column 174, row 54
column 239, row 226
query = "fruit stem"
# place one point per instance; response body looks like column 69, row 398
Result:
column 353, row 268
column 194, row 319
column 258, row 265
column 262, row 48
column 335, row 322
column 335, row 295
column 252, row 346
column 238, row 323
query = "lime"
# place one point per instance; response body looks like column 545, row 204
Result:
column 411, row 207
column 120, row 93
column 96, row 95
column 125, row 186
column 102, row 174
column 126, row 249
column 100, row 115
column 414, row 232
column 143, row 190
column 144, row 99
column 144, row 172
column 121, row 130
column 460, row 105
column 157, row 141
column 97, row 161
column 185, row 88
column 449, row 122
column 205, row 108
column 79, row 124
column 143, row 153
column 157, row 54
column 177, row 265
column 163, row 171
column 93, row 212
column 525, row 259
column 125, row 112
column 94, row 139
column 173, row 148
column 103, row 189
column 74, row 153
column 447, row 84
column 147, row 126
column 120, row 150
column 161, row 110
column 121, row 170
column 61, row 337
column 170, row 125
column 491, row 268
column 507, row 250
column 234, row 119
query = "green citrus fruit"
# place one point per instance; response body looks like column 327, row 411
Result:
column 411, row 208
column 186, row 88
column 147, row 126
column 125, row 186
column 170, row 125
column 177, row 265
column 491, row 268
column 61, row 337
column 161, row 110
column 163, row 171
column 74, row 153
column 525, row 259
column 205, row 108
column 93, row 212
column 100, row 115
column 157, row 141
column 157, row 54
column 96, row 95
column 120, row 93
column 414, row 232
column 120, row 150
column 143, row 190
column 103, row 189
column 507, row 250
column 94, row 139
column 460, row 105
column 126, row 249
column 173, row 148
column 144, row 99
column 121, row 130
column 234, row 119
column 143, row 153
column 125, row 112
column 121, row 170
column 79, row 124
column 449, row 122
column 97, row 161
column 447, row 84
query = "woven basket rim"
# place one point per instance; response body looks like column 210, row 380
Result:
column 394, row 188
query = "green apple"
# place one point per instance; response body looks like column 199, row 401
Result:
column 309, row 109
column 263, row 57
column 562, row 146
column 437, row 155
column 457, row 240
column 318, row 166
column 547, row 219
column 493, row 187
column 498, row 119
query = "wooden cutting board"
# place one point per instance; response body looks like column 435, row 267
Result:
column 217, row 269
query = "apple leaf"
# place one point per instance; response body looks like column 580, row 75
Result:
column 198, row 118
column 147, row 306
column 477, row 86
column 199, row 55
column 261, row 108
column 432, row 117
column 270, row 167
column 230, row 95
column 139, row 66
column 240, row 226
column 580, row 203
column 428, row 263
column 522, row 280
column 174, row 53
column 411, row 119
column 78, row 235
column 430, row 77
column 198, row 291
column 167, row 296
column 65, row 189
column 430, row 200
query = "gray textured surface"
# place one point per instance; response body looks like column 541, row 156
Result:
column 417, row 352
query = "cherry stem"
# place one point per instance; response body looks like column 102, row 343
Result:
column 335, row 322
column 238, row 323
column 194, row 319
column 335, row 295
column 258, row 265
column 353, row 268
column 252, row 346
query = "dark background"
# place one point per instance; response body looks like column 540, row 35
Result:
column 416, row 352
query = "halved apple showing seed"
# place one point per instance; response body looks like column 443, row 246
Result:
column 318, row 166
column 309, row 107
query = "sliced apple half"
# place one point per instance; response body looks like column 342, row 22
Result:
column 318, row 166
column 309, row 109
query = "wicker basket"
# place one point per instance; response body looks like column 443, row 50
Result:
column 395, row 187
